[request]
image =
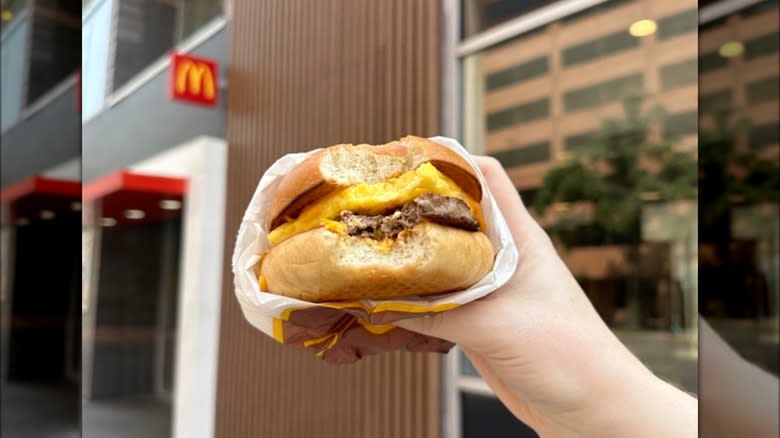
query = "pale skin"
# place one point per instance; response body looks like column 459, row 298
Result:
column 737, row 398
column 540, row 345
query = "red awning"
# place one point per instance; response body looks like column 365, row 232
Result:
column 124, row 198
column 40, row 198
column 39, row 185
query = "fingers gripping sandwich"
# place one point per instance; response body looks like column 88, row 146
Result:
column 376, row 222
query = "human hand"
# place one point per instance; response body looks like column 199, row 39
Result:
column 540, row 345
column 737, row 398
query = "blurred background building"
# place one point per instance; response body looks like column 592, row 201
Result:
column 41, row 202
column 739, row 184
column 592, row 109
column 153, row 174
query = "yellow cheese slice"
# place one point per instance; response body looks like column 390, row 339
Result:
column 373, row 199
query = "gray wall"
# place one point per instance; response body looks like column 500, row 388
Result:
column 141, row 125
column 148, row 122
column 49, row 137
column 12, row 69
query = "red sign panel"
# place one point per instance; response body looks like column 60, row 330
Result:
column 194, row 80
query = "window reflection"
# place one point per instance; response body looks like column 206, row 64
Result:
column 595, row 118
column 146, row 30
column 480, row 15
column 738, row 184
column 10, row 10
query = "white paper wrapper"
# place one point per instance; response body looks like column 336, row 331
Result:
column 262, row 308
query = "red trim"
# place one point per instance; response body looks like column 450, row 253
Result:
column 124, row 180
column 40, row 185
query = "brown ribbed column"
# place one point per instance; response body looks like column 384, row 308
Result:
column 303, row 74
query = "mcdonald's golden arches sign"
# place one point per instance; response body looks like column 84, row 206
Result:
column 194, row 79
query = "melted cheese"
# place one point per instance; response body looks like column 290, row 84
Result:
column 335, row 226
column 373, row 199
column 384, row 245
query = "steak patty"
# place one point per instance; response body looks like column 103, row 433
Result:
column 443, row 210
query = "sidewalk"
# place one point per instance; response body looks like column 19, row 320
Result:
column 129, row 418
column 38, row 410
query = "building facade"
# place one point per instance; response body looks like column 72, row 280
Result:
column 548, row 87
column 40, row 202
column 738, row 255
column 153, row 173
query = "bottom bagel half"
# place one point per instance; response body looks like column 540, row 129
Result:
column 321, row 265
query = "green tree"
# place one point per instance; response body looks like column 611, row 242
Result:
column 606, row 173
column 614, row 172
column 730, row 176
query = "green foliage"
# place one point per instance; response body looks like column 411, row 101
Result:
column 607, row 173
column 757, row 179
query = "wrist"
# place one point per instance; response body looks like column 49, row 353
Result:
column 624, row 398
column 646, row 407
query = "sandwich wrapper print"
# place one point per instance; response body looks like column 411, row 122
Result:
column 345, row 331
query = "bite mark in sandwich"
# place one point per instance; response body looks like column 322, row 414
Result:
column 376, row 222
column 435, row 208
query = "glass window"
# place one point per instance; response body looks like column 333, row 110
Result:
column 762, row 90
column 758, row 9
column 602, row 93
column 523, row 155
column 10, row 10
column 645, row 288
column 761, row 46
column 679, row 24
column 95, row 47
column 711, row 61
column 147, row 30
column 194, row 14
column 681, row 124
column 501, row 10
column 637, row 277
column 711, row 25
column 518, row 114
column 763, row 135
column 600, row 47
column 518, row 73
column 680, row 73
column 577, row 141
column 55, row 46
column 144, row 32
column 12, row 73
column 714, row 102
column 480, row 15
column 738, row 203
